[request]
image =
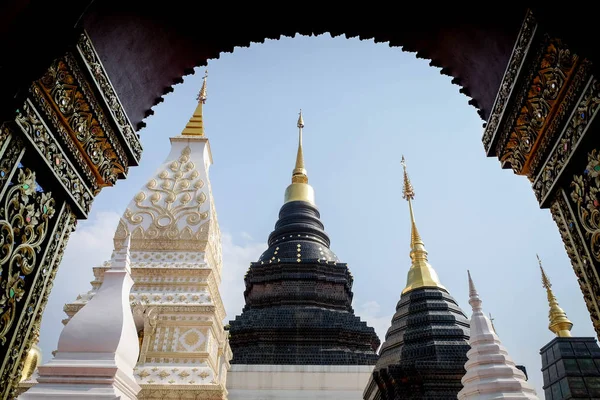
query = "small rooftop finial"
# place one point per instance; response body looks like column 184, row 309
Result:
column 559, row 323
column 492, row 321
column 420, row 274
column 195, row 126
column 299, row 173
column 202, row 94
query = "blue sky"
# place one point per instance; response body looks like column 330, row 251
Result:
column 364, row 106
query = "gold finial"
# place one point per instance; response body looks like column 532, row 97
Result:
column 299, row 173
column 299, row 189
column 408, row 192
column 421, row 273
column 559, row 323
column 195, row 126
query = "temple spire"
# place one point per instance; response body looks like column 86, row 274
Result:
column 195, row 126
column 299, row 190
column 420, row 274
column 559, row 323
column 299, row 173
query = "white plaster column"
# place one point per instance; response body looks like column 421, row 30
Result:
column 98, row 348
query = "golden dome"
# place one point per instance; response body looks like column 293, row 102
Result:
column 33, row 359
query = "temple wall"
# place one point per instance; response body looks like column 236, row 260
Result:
column 261, row 382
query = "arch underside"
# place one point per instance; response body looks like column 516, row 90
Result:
column 148, row 47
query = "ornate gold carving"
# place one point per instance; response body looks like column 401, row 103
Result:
column 573, row 132
column 544, row 93
column 31, row 124
column 205, row 392
column 582, row 264
column 63, row 135
column 24, row 224
column 37, row 300
column 9, row 155
column 586, row 195
column 515, row 64
column 169, row 199
column 72, row 98
column 575, row 88
column 86, row 49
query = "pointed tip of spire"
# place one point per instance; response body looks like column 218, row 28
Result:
column 474, row 299
column 545, row 281
column 300, row 120
column 202, row 94
column 408, row 192
column 195, row 126
column 472, row 289
column 559, row 324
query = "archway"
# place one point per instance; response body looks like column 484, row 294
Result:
column 138, row 94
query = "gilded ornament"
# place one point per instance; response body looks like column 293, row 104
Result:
column 582, row 265
column 173, row 197
column 568, row 141
column 23, row 227
column 31, row 124
column 586, row 196
column 67, row 89
column 544, row 89
column 64, row 137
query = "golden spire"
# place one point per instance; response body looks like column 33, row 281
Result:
column 195, row 126
column 299, row 190
column 299, row 173
column 559, row 323
column 421, row 273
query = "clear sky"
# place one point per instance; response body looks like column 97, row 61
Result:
column 364, row 106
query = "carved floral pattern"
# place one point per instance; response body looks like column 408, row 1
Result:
column 571, row 135
column 38, row 298
column 112, row 100
column 86, row 122
column 11, row 155
column 64, row 137
column 586, row 195
column 23, row 226
column 553, row 70
column 171, row 198
column 582, row 265
column 574, row 91
column 58, row 162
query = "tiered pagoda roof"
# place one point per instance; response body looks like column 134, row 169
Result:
column 298, row 294
column 426, row 346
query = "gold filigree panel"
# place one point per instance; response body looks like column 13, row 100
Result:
column 24, row 219
column 166, row 214
column 545, row 93
column 582, row 115
column 69, row 95
column 586, row 195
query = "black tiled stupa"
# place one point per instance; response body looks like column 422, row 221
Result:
column 298, row 295
column 426, row 346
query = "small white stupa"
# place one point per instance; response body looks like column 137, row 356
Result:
column 98, row 348
column 491, row 372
